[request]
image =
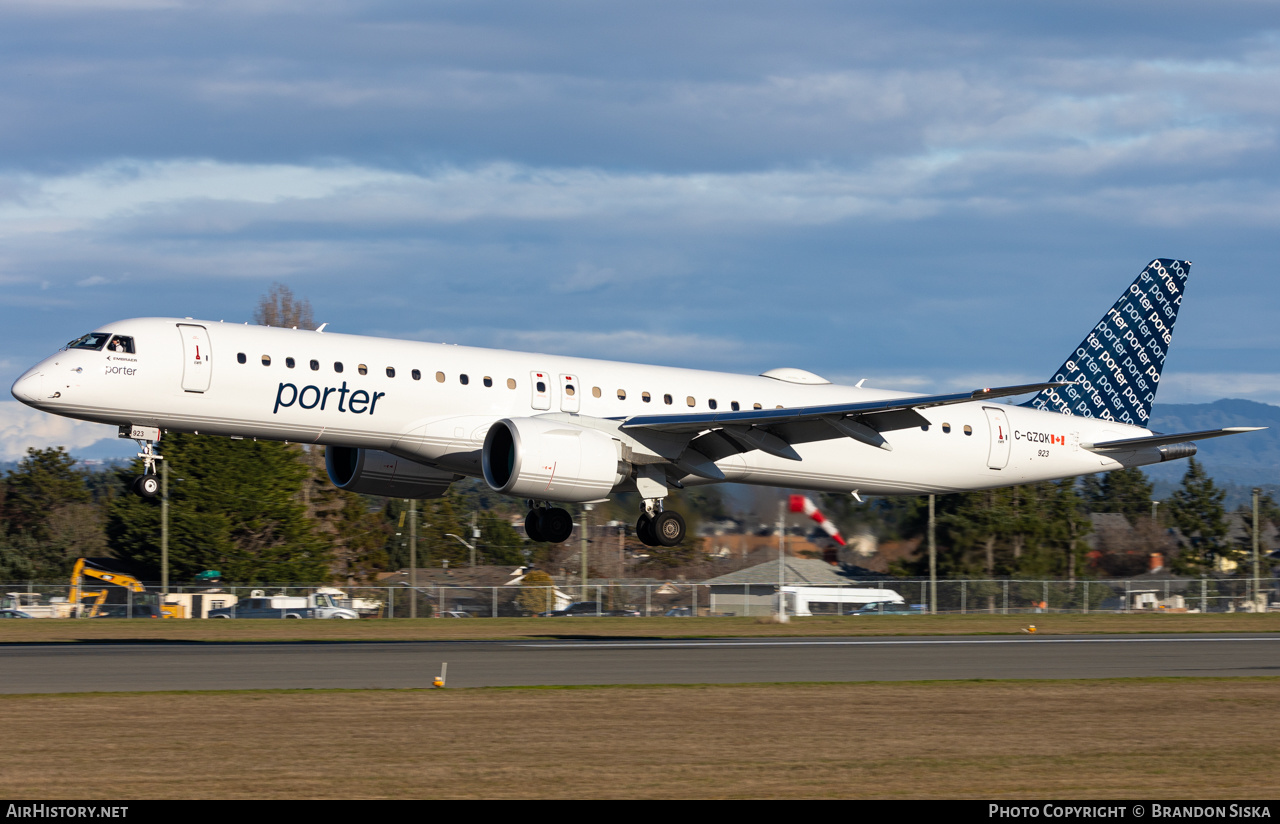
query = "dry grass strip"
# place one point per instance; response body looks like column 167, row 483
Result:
column 430, row 629
column 1146, row 739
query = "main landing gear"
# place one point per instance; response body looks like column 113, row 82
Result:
column 548, row 524
column 659, row 528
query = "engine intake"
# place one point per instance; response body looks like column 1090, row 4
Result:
column 373, row 472
column 551, row 460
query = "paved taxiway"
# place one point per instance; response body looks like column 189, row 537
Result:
column 205, row 666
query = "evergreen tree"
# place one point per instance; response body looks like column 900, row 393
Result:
column 43, row 482
column 1127, row 492
column 234, row 506
column 1196, row 510
column 49, row 517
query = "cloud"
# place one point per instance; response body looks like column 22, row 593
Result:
column 22, row 427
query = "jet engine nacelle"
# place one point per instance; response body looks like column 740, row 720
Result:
column 551, row 460
column 373, row 472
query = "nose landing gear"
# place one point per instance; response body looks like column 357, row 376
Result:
column 146, row 485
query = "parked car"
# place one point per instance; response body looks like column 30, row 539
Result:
column 679, row 612
column 14, row 613
column 589, row 609
column 453, row 613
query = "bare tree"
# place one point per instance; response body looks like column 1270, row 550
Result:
column 278, row 307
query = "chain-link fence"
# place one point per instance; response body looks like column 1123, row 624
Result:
column 658, row 598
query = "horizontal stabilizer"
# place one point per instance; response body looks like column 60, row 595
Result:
column 1129, row 444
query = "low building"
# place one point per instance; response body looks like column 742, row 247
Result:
column 754, row 590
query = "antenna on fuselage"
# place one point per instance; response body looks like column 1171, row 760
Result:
column 321, row 327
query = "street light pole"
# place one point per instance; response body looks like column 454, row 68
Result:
column 782, row 564
column 164, row 529
column 413, row 558
column 586, row 518
column 1257, row 566
column 933, row 560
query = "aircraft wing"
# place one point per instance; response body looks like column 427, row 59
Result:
column 1128, row 444
column 774, row 430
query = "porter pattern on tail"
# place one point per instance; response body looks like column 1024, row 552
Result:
column 1115, row 371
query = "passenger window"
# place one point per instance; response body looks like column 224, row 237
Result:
column 289, row 362
column 122, row 344
column 712, row 403
column 733, row 405
column 756, row 406
column 266, row 360
column 315, row 366
column 622, row 394
column 968, row 430
column 337, row 366
column 416, row 374
column 511, row 383
column 439, row 377
column 488, row 381
column 779, row 406
column 240, row 358
column 362, row 369
column 666, row 399
column 644, row 396
column 569, row 390
column 93, row 340
column 464, row 380
column 924, row 428
column 391, row 371
column 690, row 400
column 542, row 387
column 946, row 428
column 595, row 391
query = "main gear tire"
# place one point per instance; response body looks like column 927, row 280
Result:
column 644, row 530
column 556, row 525
column 533, row 526
column 668, row 528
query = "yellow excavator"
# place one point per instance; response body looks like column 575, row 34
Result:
column 146, row 603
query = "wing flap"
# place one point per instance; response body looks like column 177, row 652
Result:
column 694, row 423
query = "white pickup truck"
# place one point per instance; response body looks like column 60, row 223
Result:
column 258, row 605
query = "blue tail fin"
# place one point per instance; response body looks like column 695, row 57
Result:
column 1116, row 369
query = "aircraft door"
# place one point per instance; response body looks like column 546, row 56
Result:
column 196, row 352
column 541, row 384
column 998, row 421
column 569, row 393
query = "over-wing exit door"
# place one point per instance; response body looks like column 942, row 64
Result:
column 998, row 457
column 196, row 351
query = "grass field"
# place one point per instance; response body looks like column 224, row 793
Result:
column 441, row 629
column 1143, row 739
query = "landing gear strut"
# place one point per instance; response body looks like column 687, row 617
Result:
column 548, row 524
column 146, row 485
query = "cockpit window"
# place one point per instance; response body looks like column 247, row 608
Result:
column 93, row 340
column 121, row 343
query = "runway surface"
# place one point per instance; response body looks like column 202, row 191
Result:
column 202, row 666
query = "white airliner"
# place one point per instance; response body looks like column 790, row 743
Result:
column 406, row 419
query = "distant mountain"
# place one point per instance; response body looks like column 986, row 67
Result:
column 1248, row 460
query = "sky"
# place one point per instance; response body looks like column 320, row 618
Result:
column 931, row 195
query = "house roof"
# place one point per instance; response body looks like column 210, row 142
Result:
column 797, row 571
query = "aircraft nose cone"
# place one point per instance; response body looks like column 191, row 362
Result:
column 28, row 388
